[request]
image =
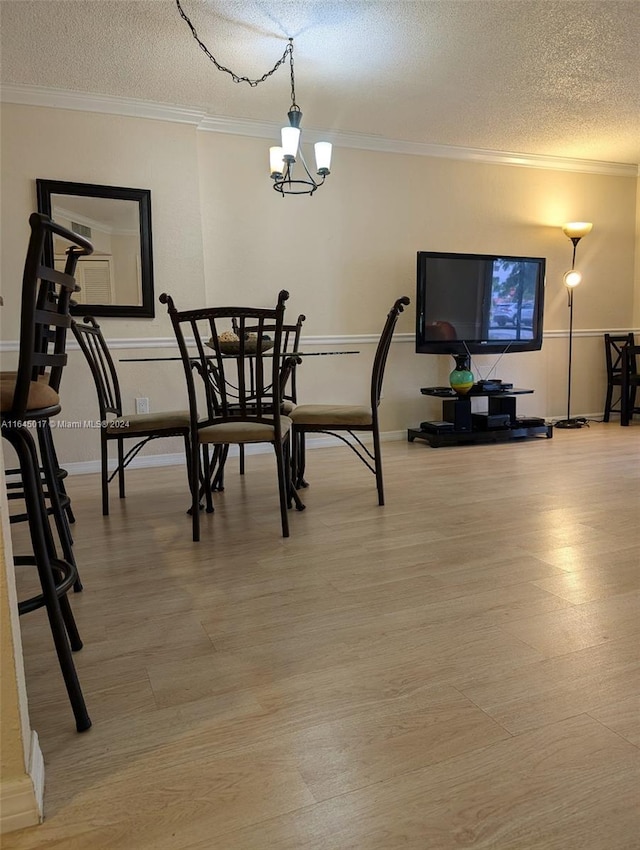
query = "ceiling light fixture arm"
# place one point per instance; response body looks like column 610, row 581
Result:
column 287, row 184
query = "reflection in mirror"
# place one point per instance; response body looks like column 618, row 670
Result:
column 117, row 280
column 113, row 274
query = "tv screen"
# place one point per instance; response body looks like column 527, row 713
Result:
column 478, row 303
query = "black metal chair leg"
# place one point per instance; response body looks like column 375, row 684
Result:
column 300, row 450
column 60, row 569
column 104, row 475
column 195, row 491
column 24, row 446
column 217, row 482
column 50, row 470
column 121, row 468
column 289, row 466
column 378, row 465
column 207, row 464
column 607, row 404
column 283, row 478
column 61, row 473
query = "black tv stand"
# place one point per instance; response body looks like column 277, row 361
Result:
column 460, row 425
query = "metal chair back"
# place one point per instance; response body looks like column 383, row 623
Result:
column 243, row 377
column 382, row 351
column 45, row 311
column 103, row 370
column 614, row 346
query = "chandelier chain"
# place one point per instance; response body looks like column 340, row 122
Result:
column 235, row 77
column 294, row 105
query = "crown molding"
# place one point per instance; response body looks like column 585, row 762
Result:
column 82, row 102
column 60, row 99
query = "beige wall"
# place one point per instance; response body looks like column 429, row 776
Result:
column 113, row 151
column 221, row 234
column 636, row 290
column 20, row 802
column 348, row 250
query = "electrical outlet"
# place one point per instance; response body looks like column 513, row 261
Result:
column 142, row 405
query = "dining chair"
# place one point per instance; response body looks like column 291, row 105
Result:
column 29, row 398
column 630, row 382
column 115, row 425
column 338, row 419
column 290, row 344
column 614, row 345
column 234, row 390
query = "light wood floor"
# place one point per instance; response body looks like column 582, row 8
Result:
column 458, row 669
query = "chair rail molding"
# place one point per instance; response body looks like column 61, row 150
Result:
column 168, row 342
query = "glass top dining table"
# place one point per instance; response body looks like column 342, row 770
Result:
column 217, row 473
column 284, row 354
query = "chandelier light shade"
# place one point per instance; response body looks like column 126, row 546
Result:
column 290, row 140
column 323, row 157
column 574, row 230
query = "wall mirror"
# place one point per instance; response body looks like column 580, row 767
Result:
column 117, row 279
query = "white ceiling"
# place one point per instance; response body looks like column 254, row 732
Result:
column 544, row 77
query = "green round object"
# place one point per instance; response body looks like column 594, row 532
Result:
column 461, row 378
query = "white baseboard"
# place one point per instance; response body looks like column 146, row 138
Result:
column 143, row 461
column 22, row 799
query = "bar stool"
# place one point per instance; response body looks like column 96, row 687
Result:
column 56, row 497
column 28, row 400
column 614, row 346
column 630, row 382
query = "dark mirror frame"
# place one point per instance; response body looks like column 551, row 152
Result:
column 46, row 188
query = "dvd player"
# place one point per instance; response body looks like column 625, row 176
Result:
column 437, row 427
column 490, row 421
column 487, row 386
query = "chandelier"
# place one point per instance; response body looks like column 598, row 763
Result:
column 282, row 158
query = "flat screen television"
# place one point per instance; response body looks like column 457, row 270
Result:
column 478, row 303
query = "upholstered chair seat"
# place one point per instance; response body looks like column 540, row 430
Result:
column 243, row 432
column 141, row 423
column 41, row 396
column 331, row 414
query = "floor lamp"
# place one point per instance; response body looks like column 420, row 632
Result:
column 575, row 230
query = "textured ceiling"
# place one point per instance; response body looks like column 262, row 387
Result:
column 550, row 77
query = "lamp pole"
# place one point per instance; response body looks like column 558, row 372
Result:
column 570, row 358
column 575, row 231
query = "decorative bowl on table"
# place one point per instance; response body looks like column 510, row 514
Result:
column 232, row 346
